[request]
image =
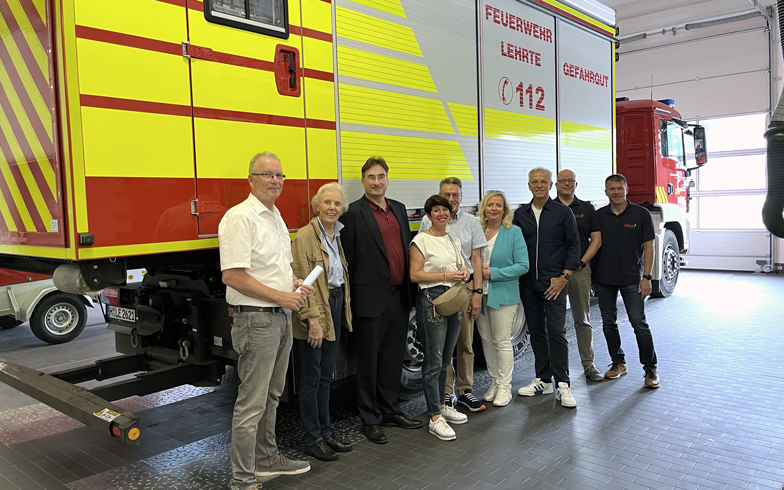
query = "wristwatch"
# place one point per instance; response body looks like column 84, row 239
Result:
column 647, row 276
column 566, row 276
column 478, row 291
column 583, row 265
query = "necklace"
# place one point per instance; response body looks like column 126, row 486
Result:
column 331, row 237
column 491, row 231
column 430, row 231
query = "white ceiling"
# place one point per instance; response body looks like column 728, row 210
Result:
column 638, row 16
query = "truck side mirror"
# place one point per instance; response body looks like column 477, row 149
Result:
column 700, row 150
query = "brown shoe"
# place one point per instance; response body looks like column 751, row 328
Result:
column 616, row 371
column 651, row 378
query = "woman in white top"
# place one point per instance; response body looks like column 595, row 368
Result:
column 505, row 259
column 436, row 266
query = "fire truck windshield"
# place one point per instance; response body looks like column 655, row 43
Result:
column 672, row 142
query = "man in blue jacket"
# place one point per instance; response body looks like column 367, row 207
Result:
column 550, row 233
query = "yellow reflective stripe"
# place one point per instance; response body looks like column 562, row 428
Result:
column 466, row 118
column 13, row 188
column 519, row 127
column 372, row 30
column 389, row 6
column 414, row 158
column 35, row 193
column 370, row 107
column 30, row 37
column 30, row 88
column 585, row 136
column 6, row 213
column 33, row 251
column 40, row 6
column 385, row 69
column 146, row 248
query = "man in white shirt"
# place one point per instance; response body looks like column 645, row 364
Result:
column 255, row 253
column 466, row 227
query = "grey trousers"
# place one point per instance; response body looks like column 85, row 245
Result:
column 579, row 291
column 263, row 341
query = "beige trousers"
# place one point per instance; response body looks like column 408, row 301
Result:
column 579, row 291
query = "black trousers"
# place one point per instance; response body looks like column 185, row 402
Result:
column 546, row 326
column 380, row 343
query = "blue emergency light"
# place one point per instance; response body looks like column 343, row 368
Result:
column 667, row 102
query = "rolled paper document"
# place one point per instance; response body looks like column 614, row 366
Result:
column 312, row 276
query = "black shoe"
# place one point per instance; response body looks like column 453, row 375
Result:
column 400, row 420
column 321, row 451
column 338, row 445
column 375, row 433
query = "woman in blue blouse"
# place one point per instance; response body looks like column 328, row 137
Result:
column 506, row 259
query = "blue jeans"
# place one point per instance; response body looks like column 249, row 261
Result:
column 546, row 324
column 438, row 335
column 263, row 342
column 635, row 308
column 317, row 368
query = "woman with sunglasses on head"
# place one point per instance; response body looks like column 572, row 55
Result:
column 435, row 264
column 505, row 259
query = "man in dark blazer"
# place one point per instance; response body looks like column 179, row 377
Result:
column 375, row 241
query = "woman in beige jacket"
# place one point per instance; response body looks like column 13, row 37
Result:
column 318, row 323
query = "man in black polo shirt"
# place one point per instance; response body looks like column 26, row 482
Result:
column 580, row 284
column 624, row 264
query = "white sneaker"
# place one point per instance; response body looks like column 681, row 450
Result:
column 536, row 387
column 452, row 415
column 564, row 394
column 503, row 396
column 441, row 429
column 490, row 393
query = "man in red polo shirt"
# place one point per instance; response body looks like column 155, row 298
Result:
column 375, row 240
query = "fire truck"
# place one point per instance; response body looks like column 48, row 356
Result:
column 126, row 129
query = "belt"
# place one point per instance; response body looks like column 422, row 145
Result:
column 257, row 309
column 336, row 292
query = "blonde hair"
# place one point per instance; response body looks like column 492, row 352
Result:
column 257, row 156
column 330, row 186
column 506, row 219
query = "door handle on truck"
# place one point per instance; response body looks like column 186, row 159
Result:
column 287, row 74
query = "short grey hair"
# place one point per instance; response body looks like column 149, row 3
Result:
column 451, row 181
column 263, row 154
column 540, row 169
column 331, row 186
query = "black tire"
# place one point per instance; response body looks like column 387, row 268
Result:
column 8, row 322
column 521, row 341
column 411, row 377
column 670, row 267
column 59, row 318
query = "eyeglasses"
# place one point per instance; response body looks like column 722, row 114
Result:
column 269, row 176
column 539, row 182
column 563, row 181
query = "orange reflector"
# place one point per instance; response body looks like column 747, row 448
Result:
column 133, row 434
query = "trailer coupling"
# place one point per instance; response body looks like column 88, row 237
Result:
column 74, row 401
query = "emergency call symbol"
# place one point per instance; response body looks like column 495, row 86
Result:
column 506, row 90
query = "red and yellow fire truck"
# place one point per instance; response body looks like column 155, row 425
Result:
column 126, row 128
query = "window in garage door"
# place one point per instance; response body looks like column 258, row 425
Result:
column 727, row 230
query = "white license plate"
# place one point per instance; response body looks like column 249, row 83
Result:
column 124, row 314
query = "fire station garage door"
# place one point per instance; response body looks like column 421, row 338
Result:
column 717, row 75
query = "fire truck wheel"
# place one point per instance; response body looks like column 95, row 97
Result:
column 7, row 322
column 411, row 377
column 59, row 318
column 670, row 267
column 521, row 341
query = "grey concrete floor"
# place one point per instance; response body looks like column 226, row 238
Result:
column 716, row 422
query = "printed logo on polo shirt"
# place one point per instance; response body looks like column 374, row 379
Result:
column 579, row 216
column 630, row 225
